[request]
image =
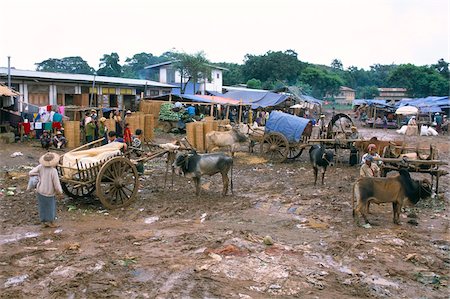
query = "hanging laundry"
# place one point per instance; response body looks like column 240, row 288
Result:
column 49, row 108
column 38, row 125
column 26, row 128
column 56, row 125
column 61, row 110
column 48, row 126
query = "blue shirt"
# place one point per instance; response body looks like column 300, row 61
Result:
column 191, row 110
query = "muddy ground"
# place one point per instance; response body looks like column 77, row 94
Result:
column 172, row 244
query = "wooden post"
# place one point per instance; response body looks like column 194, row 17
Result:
column 374, row 116
column 240, row 112
column 211, row 110
column 228, row 112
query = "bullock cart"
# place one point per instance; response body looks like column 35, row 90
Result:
column 283, row 136
column 105, row 172
column 415, row 159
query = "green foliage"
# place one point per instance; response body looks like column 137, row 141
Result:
column 322, row 83
column 420, row 81
column 167, row 114
column 109, row 66
column 442, row 67
column 71, row 65
column 273, row 66
column 134, row 67
column 234, row 74
column 337, row 64
column 378, row 74
column 367, row 92
column 254, row 84
column 192, row 67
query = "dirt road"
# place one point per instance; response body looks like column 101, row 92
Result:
column 171, row 244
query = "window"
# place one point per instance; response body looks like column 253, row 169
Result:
column 154, row 92
column 218, row 76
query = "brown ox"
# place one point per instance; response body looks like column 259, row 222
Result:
column 228, row 139
column 395, row 189
column 381, row 144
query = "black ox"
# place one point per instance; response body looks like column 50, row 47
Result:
column 197, row 165
column 320, row 158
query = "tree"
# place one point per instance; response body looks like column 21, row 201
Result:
column 420, row 81
column 322, row 82
column 134, row 67
column 109, row 65
column 192, row 67
column 71, row 65
column 273, row 66
column 233, row 75
column 442, row 67
column 254, row 84
column 379, row 74
column 337, row 64
column 367, row 92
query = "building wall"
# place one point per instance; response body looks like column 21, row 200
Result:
column 168, row 75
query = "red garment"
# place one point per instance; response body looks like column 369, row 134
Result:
column 49, row 108
column 56, row 125
column 127, row 135
column 26, row 127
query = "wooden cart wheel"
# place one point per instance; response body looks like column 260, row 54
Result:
column 117, row 183
column 78, row 191
column 295, row 152
column 275, row 147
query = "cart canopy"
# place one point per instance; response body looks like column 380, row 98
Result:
column 290, row 126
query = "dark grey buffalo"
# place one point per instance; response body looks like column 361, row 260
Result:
column 320, row 158
column 197, row 165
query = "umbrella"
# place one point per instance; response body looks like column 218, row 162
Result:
column 407, row 110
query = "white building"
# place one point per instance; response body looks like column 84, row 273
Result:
column 168, row 75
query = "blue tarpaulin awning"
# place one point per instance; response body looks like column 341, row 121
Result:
column 290, row 126
column 257, row 99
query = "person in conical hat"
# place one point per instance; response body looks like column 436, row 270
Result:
column 47, row 188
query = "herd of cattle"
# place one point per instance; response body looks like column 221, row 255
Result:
column 395, row 189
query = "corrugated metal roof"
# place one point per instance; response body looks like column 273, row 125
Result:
column 172, row 61
column 235, row 88
column 80, row 78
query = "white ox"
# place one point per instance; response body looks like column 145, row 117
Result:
column 229, row 139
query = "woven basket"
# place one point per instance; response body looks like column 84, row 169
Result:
column 72, row 133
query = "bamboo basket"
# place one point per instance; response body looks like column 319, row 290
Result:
column 216, row 125
column 72, row 133
column 110, row 124
column 208, row 126
column 149, row 124
column 133, row 122
column 141, row 121
column 199, row 137
column 190, row 134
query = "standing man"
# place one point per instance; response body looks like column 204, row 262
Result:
column 438, row 119
column 90, row 130
column 321, row 125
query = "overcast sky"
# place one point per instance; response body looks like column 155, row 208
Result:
column 358, row 32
